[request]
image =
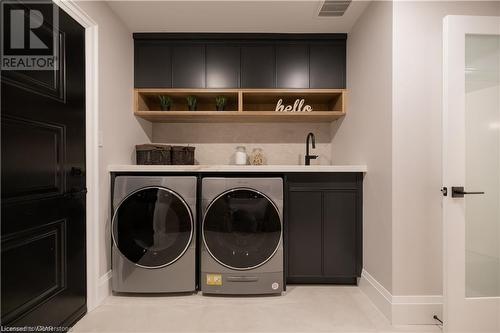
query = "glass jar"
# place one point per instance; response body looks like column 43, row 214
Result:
column 257, row 157
column 240, row 157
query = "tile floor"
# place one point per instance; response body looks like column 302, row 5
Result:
column 301, row 309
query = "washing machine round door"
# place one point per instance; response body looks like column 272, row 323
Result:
column 242, row 229
column 152, row 227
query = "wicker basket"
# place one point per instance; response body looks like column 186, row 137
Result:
column 182, row 155
column 153, row 154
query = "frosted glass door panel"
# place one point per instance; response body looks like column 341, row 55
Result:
column 482, row 151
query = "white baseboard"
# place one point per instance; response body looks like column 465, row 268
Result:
column 416, row 310
column 380, row 296
column 402, row 310
column 104, row 287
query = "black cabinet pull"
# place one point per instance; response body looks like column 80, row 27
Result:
column 459, row 192
column 75, row 171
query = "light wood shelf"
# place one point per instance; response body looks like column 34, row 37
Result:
column 244, row 105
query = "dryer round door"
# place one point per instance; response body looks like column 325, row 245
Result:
column 242, row 229
column 152, row 227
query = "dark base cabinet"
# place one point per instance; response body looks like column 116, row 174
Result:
column 323, row 233
column 322, row 223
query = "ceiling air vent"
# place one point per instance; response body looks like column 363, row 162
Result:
column 332, row 8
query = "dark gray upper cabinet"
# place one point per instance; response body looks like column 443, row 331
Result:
column 292, row 65
column 153, row 64
column 327, row 65
column 258, row 66
column 184, row 60
column 188, row 66
column 223, row 66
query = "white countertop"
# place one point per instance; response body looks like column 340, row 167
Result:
column 237, row 168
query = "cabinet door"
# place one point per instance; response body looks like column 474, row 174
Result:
column 304, row 234
column 152, row 65
column 188, row 66
column 327, row 63
column 292, row 65
column 258, row 66
column 339, row 234
column 223, row 66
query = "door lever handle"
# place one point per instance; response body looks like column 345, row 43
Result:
column 459, row 192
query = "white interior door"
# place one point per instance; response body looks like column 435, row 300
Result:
column 471, row 163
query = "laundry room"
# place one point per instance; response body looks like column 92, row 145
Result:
column 250, row 165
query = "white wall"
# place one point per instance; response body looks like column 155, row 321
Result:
column 393, row 125
column 365, row 134
column 417, row 107
column 120, row 129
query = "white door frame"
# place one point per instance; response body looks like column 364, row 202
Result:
column 92, row 149
column 461, row 314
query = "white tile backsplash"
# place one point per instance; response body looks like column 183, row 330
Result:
column 282, row 143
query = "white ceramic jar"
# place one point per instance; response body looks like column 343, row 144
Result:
column 240, row 157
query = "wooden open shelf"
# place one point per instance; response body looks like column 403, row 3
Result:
column 244, row 105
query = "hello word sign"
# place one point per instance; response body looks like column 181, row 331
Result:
column 298, row 106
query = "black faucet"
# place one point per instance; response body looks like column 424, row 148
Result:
column 310, row 157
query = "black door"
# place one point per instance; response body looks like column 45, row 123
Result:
column 153, row 227
column 242, row 229
column 222, row 66
column 258, row 66
column 153, row 64
column 43, row 183
column 292, row 65
column 327, row 63
column 340, row 255
column 305, row 229
column 188, row 66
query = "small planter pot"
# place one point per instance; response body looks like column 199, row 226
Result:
column 220, row 107
column 192, row 107
column 165, row 107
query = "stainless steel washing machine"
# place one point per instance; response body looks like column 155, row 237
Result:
column 154, row 234
column 242, row 231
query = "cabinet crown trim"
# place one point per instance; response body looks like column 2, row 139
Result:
column 239, row 36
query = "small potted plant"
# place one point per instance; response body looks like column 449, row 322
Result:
column 165, row 102
column 220, row 102
column 191, row 102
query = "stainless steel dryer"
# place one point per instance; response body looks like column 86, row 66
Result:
column 242, row 229
column 153, row 231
